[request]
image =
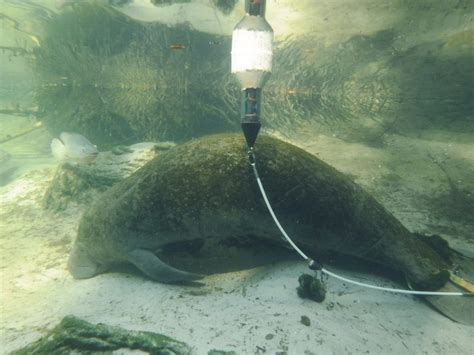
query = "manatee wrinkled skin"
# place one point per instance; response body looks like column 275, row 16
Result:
column 205, row 190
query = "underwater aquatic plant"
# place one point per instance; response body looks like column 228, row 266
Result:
column 120, row 89
column 131, row 88
column 116, row 81
column 67, row 68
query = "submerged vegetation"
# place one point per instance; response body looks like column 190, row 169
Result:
column 74, row 335
column 69, row 68
column 119, row 81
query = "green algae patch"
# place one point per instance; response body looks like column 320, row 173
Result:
column 74, row 335
column 312, row 288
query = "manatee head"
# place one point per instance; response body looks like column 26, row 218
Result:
column 82, row 264
column 73, row 147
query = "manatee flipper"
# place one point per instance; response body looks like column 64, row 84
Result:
column 458, row 308
column 153, row 267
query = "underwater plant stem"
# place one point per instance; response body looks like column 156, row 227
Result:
column 252, row 161
column 38, row 125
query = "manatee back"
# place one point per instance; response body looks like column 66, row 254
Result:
column 181, row 190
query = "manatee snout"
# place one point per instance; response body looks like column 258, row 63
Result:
column 81, row 265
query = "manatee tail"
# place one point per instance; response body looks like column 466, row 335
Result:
column 458, row 308
column 153, row 267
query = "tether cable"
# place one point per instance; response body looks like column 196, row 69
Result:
column 313, row 265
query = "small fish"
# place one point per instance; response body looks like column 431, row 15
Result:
column 36, row 40
column 299, row 92
column 214, row 43
column 177, row 46
column 73, row 147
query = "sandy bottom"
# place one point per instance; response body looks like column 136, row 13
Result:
column 253, row 311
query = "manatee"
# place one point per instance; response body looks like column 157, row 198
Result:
column 205, row 191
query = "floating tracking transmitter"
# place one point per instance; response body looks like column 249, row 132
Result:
column 252, row 42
